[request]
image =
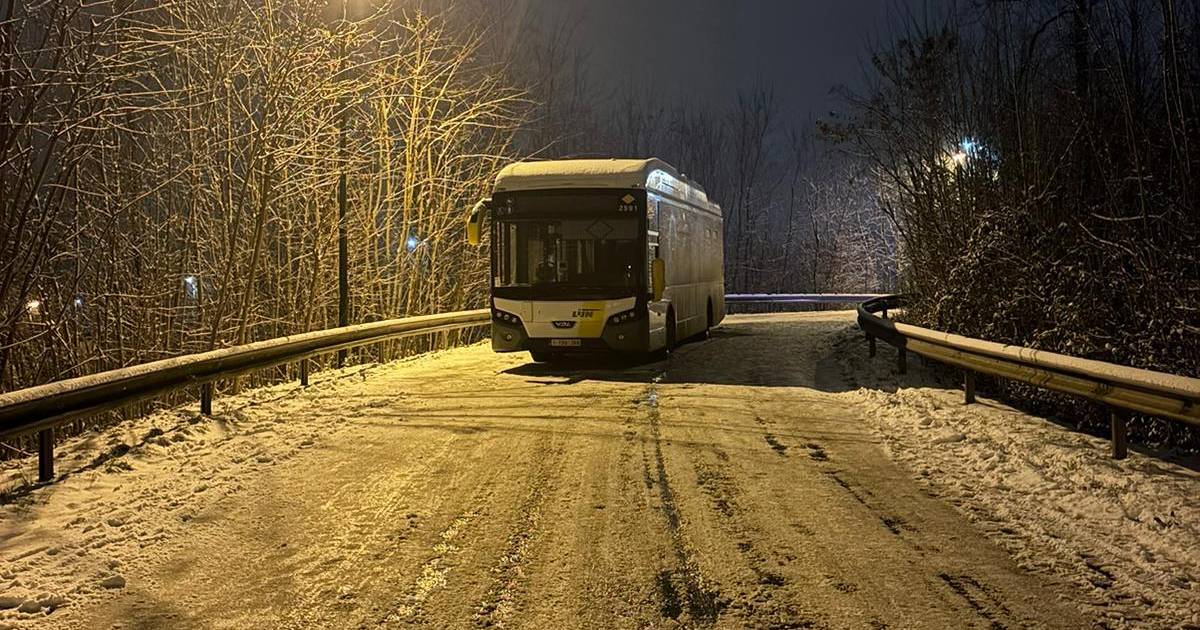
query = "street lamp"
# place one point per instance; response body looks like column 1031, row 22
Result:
column 343, row 246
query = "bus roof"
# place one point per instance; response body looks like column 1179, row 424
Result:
column 650, row 173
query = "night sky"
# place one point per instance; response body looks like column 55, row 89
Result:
column 708, row 49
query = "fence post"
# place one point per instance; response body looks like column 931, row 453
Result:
column 1120, row 434
column 46, row 455
column 969, row 386
column 206, row 395
column 902, row 360
column 871, row 344
column 304, row 372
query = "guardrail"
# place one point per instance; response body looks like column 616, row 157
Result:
column 799, row 298
column 43, row 408
column 1123, row 389
column 40, row 409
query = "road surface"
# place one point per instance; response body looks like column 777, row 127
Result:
column 733, row 485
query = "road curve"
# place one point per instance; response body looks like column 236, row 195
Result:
column 732, row 485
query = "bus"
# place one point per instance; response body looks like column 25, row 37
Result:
column 617, row 255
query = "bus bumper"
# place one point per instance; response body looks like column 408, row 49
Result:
column 630, row 336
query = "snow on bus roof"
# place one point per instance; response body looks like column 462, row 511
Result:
column 651, row 173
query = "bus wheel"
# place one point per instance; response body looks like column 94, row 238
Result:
column 671, row 329
column 708, row 322
column 542, row 357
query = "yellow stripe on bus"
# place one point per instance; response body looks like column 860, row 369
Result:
column 594, row 325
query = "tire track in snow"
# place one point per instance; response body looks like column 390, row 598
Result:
column 500, row 602
column 682, row 587
column 979, row 598
column 433, row 574
column 764, row 602
column 372, row 517
column 895, row 524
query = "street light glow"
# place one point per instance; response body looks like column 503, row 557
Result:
column 967, row 148
column 191, row 287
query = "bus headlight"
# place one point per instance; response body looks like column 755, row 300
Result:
column 621, row 318
column 505, row 317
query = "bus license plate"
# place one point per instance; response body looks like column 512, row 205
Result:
column 566, row 343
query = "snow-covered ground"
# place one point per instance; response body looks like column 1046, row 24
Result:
column 771, row 475
column 1126, row 533
column 129, row 492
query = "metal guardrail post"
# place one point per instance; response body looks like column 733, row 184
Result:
column 1120, row 434
column 304, row 372
column 871, row 344
column 969, row 386
column 46, row 454
column 206, row 396
column 902, row 360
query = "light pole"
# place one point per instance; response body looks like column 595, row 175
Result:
column 343, row 246
column 335, row 12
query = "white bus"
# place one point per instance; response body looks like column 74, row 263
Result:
column 600, row 255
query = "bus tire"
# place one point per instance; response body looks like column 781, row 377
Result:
column 671, row 336
column 708, row 323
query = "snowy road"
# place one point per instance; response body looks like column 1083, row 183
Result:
column 735, row 485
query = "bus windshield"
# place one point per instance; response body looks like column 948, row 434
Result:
column 582, row 253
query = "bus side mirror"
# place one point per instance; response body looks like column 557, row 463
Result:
column 658, row 277
column 475, row 220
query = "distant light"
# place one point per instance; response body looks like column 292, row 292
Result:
column 411, row 243
column 970, row 151
column 78, row 302
column 191, row 287
column 34, row 307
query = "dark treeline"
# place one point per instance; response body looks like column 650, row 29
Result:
column 1037, row 160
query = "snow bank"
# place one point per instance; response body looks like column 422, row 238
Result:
column 133, row 491
column 1127, row 533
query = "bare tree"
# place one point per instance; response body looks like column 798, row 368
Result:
column 169, row 173
column 1035, row 159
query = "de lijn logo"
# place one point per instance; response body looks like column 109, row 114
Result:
column 584, row 313
column 627, row 204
